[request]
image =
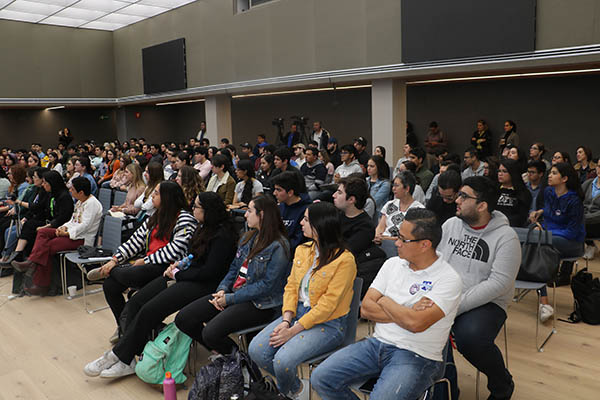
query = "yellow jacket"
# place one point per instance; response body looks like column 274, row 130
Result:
column 330, row 288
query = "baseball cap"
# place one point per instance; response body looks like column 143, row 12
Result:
column 361, row 140
column 246, row 145
column 333, row 140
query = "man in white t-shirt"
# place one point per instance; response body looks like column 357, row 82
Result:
column 405, row 353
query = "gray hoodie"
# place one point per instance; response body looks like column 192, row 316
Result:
column 345, row 170
column 487, row 260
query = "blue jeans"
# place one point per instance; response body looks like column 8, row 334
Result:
column 10, row 240
column 402, row 374
column 282, row 362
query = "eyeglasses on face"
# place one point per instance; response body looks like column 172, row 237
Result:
column 401, row 239
column 463, row 196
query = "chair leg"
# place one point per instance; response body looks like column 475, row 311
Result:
column 540, row 348
column 476, row 385
column 310, row 368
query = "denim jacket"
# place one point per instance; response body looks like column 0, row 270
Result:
column 266, row 278
column 380, row 192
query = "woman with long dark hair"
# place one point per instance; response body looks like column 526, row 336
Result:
column 316, row 301
column 378, row 181
column 251, row 292
column 112, row 166
column 191, row 183
column 563, row 215
column 213, row 247
column 247, row 187
column 54, row 163
column 265, row 171
column 515, row 199
column 162, row 239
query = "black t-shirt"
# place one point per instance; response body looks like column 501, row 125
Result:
column 515, row 205
column 358, row 232
column 442, row 210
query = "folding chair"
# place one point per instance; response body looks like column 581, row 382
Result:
column 111, row 234
column 104, row 196
column 349, row 338
column 119, row 198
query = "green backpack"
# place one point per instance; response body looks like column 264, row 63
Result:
column 168, row 352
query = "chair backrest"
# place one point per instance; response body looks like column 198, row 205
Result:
column 104, row 197
column 111, row 233
column 353, row 314
column 120, row 197
column 534, row 237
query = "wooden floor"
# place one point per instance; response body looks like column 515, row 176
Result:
column 45, row 342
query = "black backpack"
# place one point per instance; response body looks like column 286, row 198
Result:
column 586, row 292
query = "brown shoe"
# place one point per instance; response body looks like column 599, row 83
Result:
column 23, row 266
column 37, row 290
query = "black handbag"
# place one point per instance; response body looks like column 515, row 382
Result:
column 539, row 261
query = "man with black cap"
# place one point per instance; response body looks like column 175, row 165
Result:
column 360, row 144
column 247, row 148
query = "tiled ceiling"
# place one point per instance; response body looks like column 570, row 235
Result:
column 107, row 15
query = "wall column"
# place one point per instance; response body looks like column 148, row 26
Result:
column 388, row 111
column 218, row 118
column 121, row 116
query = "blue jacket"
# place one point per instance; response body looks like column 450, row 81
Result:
column 291, row 216
column 380, row 192
column 266, row 278
column 563, row 215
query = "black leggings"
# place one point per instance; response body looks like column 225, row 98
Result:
column 127, row 276
column 219, row 324
column 152, row 304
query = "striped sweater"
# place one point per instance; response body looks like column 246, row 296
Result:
column 175, row 250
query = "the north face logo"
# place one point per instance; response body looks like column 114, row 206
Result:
column 470, row 247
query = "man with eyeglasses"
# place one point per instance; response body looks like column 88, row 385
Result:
column 443, row 201
column 349, row 163
column 485, row 252
column 406, row 351
column 473, row 164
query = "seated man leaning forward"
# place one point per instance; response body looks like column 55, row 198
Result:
column 413, row 301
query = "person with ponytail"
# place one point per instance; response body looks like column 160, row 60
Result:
column 247, row 187
column 316, row 301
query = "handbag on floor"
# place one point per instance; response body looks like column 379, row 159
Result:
column 539, row 260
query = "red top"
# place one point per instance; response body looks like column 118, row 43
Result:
column 156, row 243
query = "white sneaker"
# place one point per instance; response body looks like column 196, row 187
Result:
column 546, row 311
column 118, row 370
column 107, row 360
column 590, row 252
column 95, row 274
column 302, row 394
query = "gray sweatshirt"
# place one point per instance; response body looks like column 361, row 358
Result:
column 345, row 170
column 487, row 260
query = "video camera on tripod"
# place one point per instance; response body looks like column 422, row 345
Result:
column 301, row 123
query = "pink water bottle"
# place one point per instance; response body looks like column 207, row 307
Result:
column 169, row 387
